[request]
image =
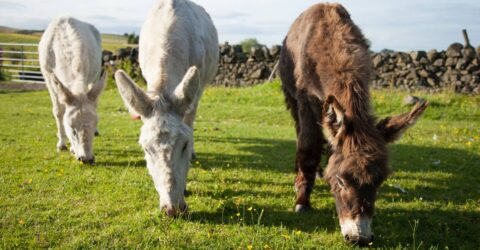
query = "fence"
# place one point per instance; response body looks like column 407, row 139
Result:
column 19, row 62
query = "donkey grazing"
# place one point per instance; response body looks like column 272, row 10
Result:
column 178, row 57
column 70, row 59
column 325, row 70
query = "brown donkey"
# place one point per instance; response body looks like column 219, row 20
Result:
column 325, row 70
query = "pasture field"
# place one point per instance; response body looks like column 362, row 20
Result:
column 240, row 185
column 110, row 42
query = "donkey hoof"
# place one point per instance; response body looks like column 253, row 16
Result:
column 97, row 133
column 62, row 148
column 300, row 208
column 186, row 193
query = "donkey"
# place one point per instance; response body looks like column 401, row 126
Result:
column 325, row 70
column 178, row 55
column 70, row 60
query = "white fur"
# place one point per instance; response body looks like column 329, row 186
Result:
column 70, row 60
column 357, row 229
column 178, row 57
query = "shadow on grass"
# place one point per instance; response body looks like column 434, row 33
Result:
column 320, row 219
column 429, row 227
column 446, row 176
column 257, row 153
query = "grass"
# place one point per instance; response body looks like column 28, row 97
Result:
column 241, row 184
column 110, row 42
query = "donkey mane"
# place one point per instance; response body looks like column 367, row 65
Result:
column 343, row 64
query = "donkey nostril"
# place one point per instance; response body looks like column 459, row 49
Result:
column 347, row 237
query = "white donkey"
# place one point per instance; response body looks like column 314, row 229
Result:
column 178, row 55
column 70, row 59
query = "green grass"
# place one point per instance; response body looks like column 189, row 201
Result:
column 110, row 42
column 241, row 185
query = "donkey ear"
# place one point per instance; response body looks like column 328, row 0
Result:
column 393, row 127
column 333, row 118
column 63, row 93
column 186, row 91
column 97, row 87
column 133, row 96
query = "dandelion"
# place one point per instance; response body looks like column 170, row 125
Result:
column 266, row 246
column 238, row 201
column 21, row 222
column 298, row 232
column 29, row 181
column 238, row 214
column 250, row 209
column 287, row 237
column 468, row 143
column 197, row 163
column 370, row 244
column 249, row 247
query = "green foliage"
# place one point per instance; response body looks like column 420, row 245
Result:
column 241, row 184
column 133, row 70
column 132, row 38
column 249, row 43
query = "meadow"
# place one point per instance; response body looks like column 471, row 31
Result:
column 110, row 42
column 241, row 184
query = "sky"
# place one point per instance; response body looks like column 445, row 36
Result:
column 399, row 25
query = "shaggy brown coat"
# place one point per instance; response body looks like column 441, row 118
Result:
column 325, row 69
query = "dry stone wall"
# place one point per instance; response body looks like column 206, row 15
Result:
column 456, row 68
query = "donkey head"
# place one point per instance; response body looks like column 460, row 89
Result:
column 80, row 118
column 358, row 164
column 165, row 138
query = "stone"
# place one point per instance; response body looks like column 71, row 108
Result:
column 461, row 64
column 454, row 50
column 469, row 53
column 417, row 55
column 412, row 75
column 257, row 53
column 432, row 82
column 423, row 73
column 377, row 61
column 450, row 62
column 403, row 59
column 224, row 48
column 275, row 50
column 411, row 100
column 432, row 55
column 258, row 74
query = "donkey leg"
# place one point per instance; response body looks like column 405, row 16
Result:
column 189, row 119
column 58, row 111
column 309, row 149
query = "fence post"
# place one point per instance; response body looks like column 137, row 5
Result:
column 23, row 58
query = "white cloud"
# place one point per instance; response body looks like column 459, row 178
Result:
column 402, row 25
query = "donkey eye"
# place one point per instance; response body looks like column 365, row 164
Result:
column 74, row 132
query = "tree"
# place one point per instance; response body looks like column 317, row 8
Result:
column 248, row 43
column 132, row 38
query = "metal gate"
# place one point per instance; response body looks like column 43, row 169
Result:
column 19, row 63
